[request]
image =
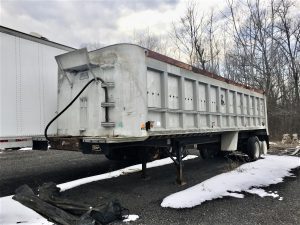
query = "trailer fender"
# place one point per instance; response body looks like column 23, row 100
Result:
column 229, row 141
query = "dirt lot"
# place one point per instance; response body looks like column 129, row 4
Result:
column 143, row 197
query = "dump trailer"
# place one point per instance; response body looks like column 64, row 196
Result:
column 128, row 102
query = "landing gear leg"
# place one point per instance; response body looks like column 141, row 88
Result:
column 144, row 163
column 178, row 162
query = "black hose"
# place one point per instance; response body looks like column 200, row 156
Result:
column 74, row 99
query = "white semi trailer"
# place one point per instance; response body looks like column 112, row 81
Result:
column 124, row 100
column 28, row 86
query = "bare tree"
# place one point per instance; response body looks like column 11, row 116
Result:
column 149, row 40
column 265, row 54
column 213, row 43
column 288, row 37
column 254, row 47
column 194, row 36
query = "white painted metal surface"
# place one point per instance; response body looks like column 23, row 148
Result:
column 176, row 100
column 28, row 88
column 229, row 141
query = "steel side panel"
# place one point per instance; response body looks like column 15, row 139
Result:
column 154, row 87
column 213, row 96
column 173, row 92
column 234, row 115
column 231, row 101
column 202, row 97
column 189, row 97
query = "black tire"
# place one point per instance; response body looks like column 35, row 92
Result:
column 253, row 148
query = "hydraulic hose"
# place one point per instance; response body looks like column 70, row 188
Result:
column 74, row 99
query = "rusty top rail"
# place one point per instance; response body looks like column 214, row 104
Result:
column 166, row 59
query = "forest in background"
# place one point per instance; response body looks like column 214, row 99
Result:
column 253, row 42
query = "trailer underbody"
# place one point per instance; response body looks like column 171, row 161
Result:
column 148, row 149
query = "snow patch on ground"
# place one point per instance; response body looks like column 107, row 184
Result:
column 235, row 195
column 261, row 173
column 131, row 218
column 272, row 143
column 12, row 212
column 25, row 149
column 262, row 193
column 127, row 170
column 30, row 148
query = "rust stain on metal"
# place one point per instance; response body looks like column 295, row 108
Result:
column 166, row 59
column 65, row 143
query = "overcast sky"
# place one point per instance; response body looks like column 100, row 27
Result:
column 74, row 22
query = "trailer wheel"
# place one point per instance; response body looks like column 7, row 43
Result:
column 253, row 148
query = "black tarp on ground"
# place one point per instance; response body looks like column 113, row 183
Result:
column 51, row 205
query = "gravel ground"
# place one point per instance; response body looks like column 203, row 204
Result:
column 36, row 167
column 143, row 197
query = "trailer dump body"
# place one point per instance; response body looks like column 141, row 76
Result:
column 150, row 95
column 128, row 102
